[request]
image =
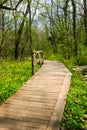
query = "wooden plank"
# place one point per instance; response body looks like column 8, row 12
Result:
column 23, row 116
column 23, row 119
column 41, row 77
column 17, row 127
column 32, row 123
column 43, row 94
column 42, row 112
column 20, row 128
column 28, row 104
column 60, row 81
column 33, row 99
column 35, row 96
column 16, row 108
column 43, row 89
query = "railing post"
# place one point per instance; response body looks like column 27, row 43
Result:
column 32, row 63
column 37, row 57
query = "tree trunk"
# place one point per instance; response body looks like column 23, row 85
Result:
column 19, row 33
column 2, row 28
column 30, row 36
column 74, row 27
column 74, row 24
column 52, row 30
column 85, row 20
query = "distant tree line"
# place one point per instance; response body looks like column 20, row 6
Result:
column 55, row 26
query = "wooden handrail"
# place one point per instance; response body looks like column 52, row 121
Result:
column 38, row 58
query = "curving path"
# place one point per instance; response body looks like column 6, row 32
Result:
column 39, row 104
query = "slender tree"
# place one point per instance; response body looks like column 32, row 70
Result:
column 74, row 23
column 85, row 20
column 31, row 18
column 19, row 34
column 2, row 29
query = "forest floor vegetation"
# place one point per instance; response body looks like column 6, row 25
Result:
column 75, row 113
column 13, row 74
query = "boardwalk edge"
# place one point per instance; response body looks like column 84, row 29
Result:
column 60, row 105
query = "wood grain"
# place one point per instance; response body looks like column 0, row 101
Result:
column 39, row 104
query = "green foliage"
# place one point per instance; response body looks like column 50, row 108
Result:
column 76, row 104
column 82, row 60
column 1, row 1
column 12, row 76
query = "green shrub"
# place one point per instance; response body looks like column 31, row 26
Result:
column 82, row 61
column 76, row 104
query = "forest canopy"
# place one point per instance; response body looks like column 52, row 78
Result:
column 54, row 26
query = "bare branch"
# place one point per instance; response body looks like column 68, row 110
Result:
column 18, row 4
column 6, row 8
column 9, row 8
column 35, row 11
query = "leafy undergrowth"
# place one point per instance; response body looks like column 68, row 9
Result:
column 13, row 74
column 76, row 105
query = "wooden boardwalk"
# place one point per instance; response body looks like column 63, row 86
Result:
column 39, row 104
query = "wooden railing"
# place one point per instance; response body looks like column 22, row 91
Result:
column 38, row 58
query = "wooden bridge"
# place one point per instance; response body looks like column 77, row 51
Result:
column 39, row 104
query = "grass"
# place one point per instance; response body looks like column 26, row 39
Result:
column 13, row 74
column 76, row 104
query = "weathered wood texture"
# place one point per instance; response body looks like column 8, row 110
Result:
column 38, row 57
column 39, row 104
